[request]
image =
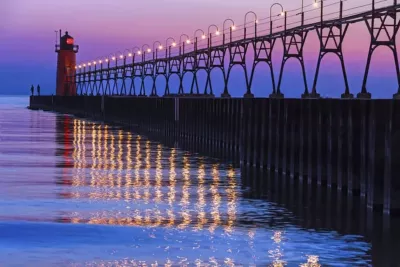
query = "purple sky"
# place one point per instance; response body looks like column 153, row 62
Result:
column 27, row 39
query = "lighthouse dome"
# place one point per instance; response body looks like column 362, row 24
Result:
column 67, row 42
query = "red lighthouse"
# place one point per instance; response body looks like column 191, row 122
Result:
column 66, row 64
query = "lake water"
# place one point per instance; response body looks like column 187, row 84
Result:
column 80, row 193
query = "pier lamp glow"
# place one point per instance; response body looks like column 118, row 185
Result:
column 216, row 29
column 145, row 48
column 106, row 59
column 89, row 64
column 315, row 3
column 121, row 56
column 187, row 38
column 80, row 66
column 130, row 54
column 100, row 61
column 232, row 27
column 134, row 51
column 203, row 35
column 113, row 58
column 94, row 62
column 158, row 44
column 173, row 44
column 84, row 65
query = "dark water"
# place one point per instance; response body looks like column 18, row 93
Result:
column 79, row 193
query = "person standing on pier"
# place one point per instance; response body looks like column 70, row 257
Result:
column 32, row 90
column 38, row 90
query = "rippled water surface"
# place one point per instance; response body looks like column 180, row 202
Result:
column 80, row 193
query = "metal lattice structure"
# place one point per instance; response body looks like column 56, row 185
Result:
column 116, row 74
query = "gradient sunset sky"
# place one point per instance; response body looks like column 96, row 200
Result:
column 103, row 27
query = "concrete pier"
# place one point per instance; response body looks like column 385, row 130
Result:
column 352, row 146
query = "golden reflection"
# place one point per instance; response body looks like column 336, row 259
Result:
column 78, row 156
column 201, row 203
column 216, row 198
column 146, row 193
column 93, row 169
column 171, row 193
column 138, row 165
column 158, row 178
column 186, row 218
column 103, row 180
column 99, row 158
column 83, row 155
column 232, row 198
column 128, row 176
column 277, row 253
column 117, row 162
column 312, row 261
column 120, row 165
column 111, row 165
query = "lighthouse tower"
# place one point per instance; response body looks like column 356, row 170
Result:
column 66, row 61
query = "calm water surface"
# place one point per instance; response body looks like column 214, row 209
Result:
column 80, row 193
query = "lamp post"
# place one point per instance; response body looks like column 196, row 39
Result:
column 182, row 49
column 135, row 51
column 145, row 48
column 255, row 23
column 270, row 15
column 155, row 50
column 119, row 56
column 203, row 37
column 168, row 47
column 231, row 28
column 210, row 34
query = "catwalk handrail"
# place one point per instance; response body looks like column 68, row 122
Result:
column 349, row 19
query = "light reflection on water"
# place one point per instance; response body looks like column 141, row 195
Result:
column 127, row 201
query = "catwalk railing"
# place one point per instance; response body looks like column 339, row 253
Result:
column 116, row 74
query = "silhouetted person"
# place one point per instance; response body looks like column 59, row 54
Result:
column 32, row 89
column 38, row 89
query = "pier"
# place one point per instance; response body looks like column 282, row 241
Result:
column 348, row 145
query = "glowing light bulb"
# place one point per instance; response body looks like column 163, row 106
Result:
column 257, row 21
column 79, row 66
column 94, row 62
column 160, row 47
column 315, row 4
column 217, row 33
column 106, row 59
column 139, row 52
column 121, row 56
column 188, row 41
column 282, row 13
column 203, row 36
column 100, row 61
column 84, row 65
column 89, row 64
column 148, row 50
column 173, row 44
column 233, row 27
column 76, row 67
column 113, row 58
column 130, row 54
